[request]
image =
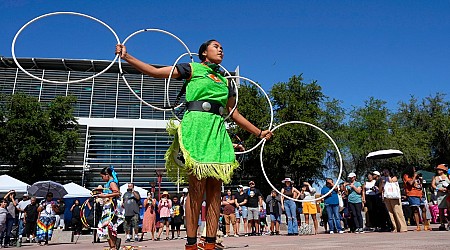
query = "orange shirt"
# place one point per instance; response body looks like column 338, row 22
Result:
column 412, row 190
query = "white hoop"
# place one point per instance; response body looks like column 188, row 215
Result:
column 329, row 137
column 61, row 13
column 123, row 75
column 271, row 110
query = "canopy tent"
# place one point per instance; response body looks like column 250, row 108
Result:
column 76, row 191
column 9, row 183
column 142, row 192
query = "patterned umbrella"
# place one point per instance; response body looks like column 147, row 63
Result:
column 41, row 188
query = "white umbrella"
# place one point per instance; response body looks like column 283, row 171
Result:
column 384, row 154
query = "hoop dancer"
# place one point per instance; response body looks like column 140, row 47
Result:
column 208, row 155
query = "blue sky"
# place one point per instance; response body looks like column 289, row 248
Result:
column 354, row 49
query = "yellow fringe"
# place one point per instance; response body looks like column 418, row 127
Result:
column 179, row 174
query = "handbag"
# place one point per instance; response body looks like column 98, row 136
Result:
column 391, row 190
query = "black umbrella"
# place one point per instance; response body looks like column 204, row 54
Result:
column 384, row 154
column 41, row 188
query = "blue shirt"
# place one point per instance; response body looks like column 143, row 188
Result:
column 332, row 199
column 353, row 196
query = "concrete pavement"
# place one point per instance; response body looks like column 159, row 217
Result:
column 435, row 240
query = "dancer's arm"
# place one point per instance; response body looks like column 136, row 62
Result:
column 244, row 123
column 144, row 67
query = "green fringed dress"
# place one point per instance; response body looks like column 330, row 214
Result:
column 202, row 137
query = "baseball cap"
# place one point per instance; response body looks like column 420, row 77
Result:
column 351, row 175
column 240, row 186
column 375, row 173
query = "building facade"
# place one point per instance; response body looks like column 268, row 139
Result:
column 116, row 128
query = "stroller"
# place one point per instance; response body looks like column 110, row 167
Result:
column 14, row 236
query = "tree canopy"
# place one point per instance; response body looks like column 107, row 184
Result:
column 420, row 129
column 36, row 137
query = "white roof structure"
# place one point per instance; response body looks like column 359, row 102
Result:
column 76, row 191
column 142, row 192
column 9, row 183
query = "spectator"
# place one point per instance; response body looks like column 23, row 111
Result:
column 289, row 206
column 177, row 217
column 131, row 201
column 440, row 183
column 254, row 207
column 164, row 206
column 229, row 205
column 76, row 216
column 183, row 200
column 149, row 221
column 310, row 207
column 413, row 189
column 274, row 210
column 59, row 223
column 241, row 211
column 332, row 206
column 201, row 229
column 345, row 214
column 11, row 216
column 30, row 219
column 383, row 223
column 20, row 207
column 391, row 197
column 47, row 217
column 263, row 217
column 3, row 215
column 354, row 189
column 369, row 200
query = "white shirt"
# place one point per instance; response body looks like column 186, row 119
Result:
column 21, row 206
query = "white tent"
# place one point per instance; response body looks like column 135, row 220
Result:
column 142, row 192
column 9, row 183
column 76, row 191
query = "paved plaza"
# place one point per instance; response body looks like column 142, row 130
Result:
column 372, row 240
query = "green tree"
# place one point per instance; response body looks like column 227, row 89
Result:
column 367, row 131
column 296, row 150
column 35, row 139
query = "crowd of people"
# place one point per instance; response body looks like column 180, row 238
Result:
column 375, row 204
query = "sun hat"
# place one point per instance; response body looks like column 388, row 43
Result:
column 442, row 167
column 351, row 175
column 165, row 193
column 185, row 190
column 287, row 179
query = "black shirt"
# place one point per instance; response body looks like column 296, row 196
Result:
column 253, row 201
column 32, row 213
column 76, row 212
column 241, row 197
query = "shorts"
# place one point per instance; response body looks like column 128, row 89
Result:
column 273, row 218
column 309, row 208
column 415, row 201
column 241, row 214
column 442, row 201
column 253, row 213
column 164, row 219
column 131, row 222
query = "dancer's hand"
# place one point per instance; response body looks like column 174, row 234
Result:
column 239, row 147
column 266, row 134
column 121, row 50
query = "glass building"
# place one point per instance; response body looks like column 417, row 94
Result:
column 115, row 127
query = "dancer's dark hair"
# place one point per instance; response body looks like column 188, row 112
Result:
column 203, row 48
